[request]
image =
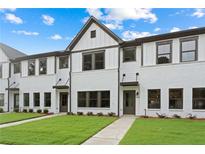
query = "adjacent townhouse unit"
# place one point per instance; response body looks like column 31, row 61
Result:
column 99, row 72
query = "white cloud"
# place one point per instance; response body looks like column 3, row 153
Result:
column 193, row 27
column 129, row 35
column 12, row 18
column 23, row 32
column 56, row 37
column 114, row 17
column 48, row 20
column 199, row 13
column 175, row 29
column 7, row 9
column 157, row 29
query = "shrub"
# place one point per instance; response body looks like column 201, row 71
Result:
column 161, row 115
column 25, row 110
column 100, row 114
column 90, row 113
column 190, row 116
column 16, row 110
column 70, row 113
column 1, row 110
column 30, row 110
column 39, row 111
column 79, row 113
column 111, row 114
column 177, row 116
column 45, row 111
column 144, row 116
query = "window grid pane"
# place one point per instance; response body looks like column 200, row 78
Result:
column 129, row 54
column 198, row 98
column 47, row 99
column 1, row 99
column 63, row 62
column 36, row 99
column 154, row 99
column 175, row 98
column 42, row 66
column 31, row 67
column 26, row 99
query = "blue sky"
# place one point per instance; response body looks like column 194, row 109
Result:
column 42, row 30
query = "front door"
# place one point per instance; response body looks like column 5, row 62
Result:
column 129, row 102
column 16, row 101
column 63, row 102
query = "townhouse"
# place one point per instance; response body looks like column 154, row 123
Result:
column 99, row 72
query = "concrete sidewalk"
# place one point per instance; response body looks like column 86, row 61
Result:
column 112, row 134
column 30, row 120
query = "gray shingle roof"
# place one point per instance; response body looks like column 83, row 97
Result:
column 10, row 52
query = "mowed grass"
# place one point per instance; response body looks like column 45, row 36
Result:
column 12, row 117
column 165, row 131
column 57, row 130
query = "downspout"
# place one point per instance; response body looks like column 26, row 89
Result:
column 8, row 79
column 8, row 94
column 70, row 79
column 118, row 109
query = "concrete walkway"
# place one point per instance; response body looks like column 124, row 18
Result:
column 112, row 134
column 30, row 120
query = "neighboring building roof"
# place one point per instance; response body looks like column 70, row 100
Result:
column 41, row 55
column 86, row 26
column 10, row 52
column 165, row 36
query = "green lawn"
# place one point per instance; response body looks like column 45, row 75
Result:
column 57, row 130
column 165, row 131
column 11, row 117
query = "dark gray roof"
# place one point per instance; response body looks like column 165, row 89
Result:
column 10, row 52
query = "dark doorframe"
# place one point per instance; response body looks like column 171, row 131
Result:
column 63, row 101
column 16, row 101
column 129, row 102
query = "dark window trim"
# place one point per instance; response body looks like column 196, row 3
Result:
column 93, row 59
column 148, row 100
column 170, row 42
column 193, row 97
column 64, row 56
column 24, row 99
column 123, row 51
column 1, row 72
column 34, row 104
column 45, row 93
column 195, row 38
column 93, row 34
column 19, row 68
column 34, row 67
column 182, row 98
column 46, row 59
column 3, row 99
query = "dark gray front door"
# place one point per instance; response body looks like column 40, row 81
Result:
column 129, row 102
column 63, row 102
column 16, row 101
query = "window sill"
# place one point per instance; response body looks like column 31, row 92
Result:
column 153, row 109
column 198, row 110
column 176, row 110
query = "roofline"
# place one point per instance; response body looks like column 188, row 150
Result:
column 171, row 35
column 91, row 20
column 41, row 55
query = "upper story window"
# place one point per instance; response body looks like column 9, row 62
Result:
column 164, row 52
column 154, row 99
column 188, row 49
column 43, row 66
column 31, row 67
column 63, row 62
column 198, row 98
column 17, row 68
column 94, row 61
column 1, row 74
column 93, row 34
column 129, row 54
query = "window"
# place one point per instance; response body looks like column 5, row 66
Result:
column 26, row 99
column 94, row 61
column 175, row 98
column 1, row 70
column 99, row 99
column 1, row 99
column 36, row 99
column 188, row 47
column 43, row 66
column 129, row 54
column 63, row 62
column 164, row 52
column 198, row 98
column 93, row 34
column 31, row 67
column 154, row 99
column 47, row 99
column 17, row 68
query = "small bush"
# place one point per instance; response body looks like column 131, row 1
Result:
column 190, row 116
column 161, row 115
column 177, row 116
column 111, row 114
column 25, row 110
column 30, row 110
column 100, row 114
column 39, row 111
column 70, row 113
column 144, row 116
column 1, row 110
column 90, row 113
column 79, row 113
column 16, row 110
column 45, row 111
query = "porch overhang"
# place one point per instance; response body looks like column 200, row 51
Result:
column 129, row 83
column 60, row 87
column 12, row 89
